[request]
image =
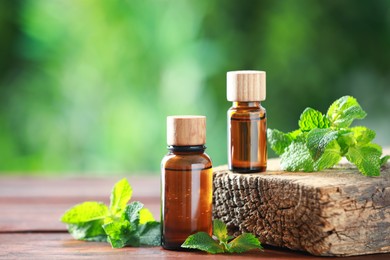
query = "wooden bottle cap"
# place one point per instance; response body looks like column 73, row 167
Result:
column 186, row 130
column 245, row 85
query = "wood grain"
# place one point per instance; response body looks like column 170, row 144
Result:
column 333, row 212
column 60, row 246
column 36, row 203
column 69, row 188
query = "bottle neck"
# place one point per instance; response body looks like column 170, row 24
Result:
column 190, row 149
column 246, row 104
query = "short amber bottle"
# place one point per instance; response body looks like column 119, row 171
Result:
column 247, row 122
column 186, row 182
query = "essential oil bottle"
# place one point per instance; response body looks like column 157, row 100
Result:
column 186, row 183
column 247, row 122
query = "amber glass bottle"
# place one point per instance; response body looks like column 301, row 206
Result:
column 186, row 183
column 247, row 122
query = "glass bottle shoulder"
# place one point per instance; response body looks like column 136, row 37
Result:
column 247, row 111
column 186, row 161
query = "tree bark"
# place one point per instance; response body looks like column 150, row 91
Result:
column 336, row 212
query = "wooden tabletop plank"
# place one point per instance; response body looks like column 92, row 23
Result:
column 68, row 188
column 37, row 203
column 57, row 245
column 42, row 216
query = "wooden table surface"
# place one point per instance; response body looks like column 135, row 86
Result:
column 30, row 209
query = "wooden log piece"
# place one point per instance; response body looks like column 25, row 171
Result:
column 336, row 212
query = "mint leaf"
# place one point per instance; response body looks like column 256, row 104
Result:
column 278, row 140
column 362, row 134
column 85, row 212
column 90, row 231
column 145, row 216
column 345, row 140
column 120, row 225
column 311, row 118
column 132, row 211
column 384, row 159
column 150, row 234
column 343, row 111
column 366, row 158
column 135, row 227
column 297, row 158
column 295, row 135
column 318, row 139
column 204, row 242
column 119, row 233
column 321, row 141
column 244, row 243
column 330, row 157
column 120, row 195
column 220, row 230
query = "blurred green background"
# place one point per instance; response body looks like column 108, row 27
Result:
column 86, row 85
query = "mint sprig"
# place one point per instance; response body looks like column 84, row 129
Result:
column 203, row 241
column 322, row 140
column 120, row 224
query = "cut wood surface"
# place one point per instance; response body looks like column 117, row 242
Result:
column 334, row 212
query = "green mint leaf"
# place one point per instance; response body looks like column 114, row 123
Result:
column 345, row 140
column 366, row 158
column 377, row 147
column 384, row 159
column 278, row 140
column 132, row 212
column 135, row 227
column 204, row 242
column 145, row 216
column 120, row 195
column 330, row 157
column 150, row 234
column 220, row 230
column 120, row 225
column 343, row 111
column 321, row 141
column 318, row 139
column 90, row 231
column 119, row 233
column 85, row 212
column 362, row 134
column 133, row 239
column 243, row 243
column 311, row 118
column 297, row 158
column 295, row 135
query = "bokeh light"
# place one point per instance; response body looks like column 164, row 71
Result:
column 85, row 86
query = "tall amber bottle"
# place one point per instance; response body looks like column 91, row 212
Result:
column 247, row 122
column 186, row 183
